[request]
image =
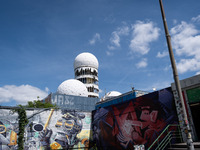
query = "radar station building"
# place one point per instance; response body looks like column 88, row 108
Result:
column 86, row 70
column 81, row 93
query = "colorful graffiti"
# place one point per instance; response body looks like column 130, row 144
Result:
column 47, row 129
column 137, row 122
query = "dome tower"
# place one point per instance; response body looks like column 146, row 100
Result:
column 86, row 70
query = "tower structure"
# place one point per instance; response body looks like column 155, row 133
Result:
column 86, row 70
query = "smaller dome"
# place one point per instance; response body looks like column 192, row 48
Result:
column 86, row 60
column 73, row 87
column 111, row 94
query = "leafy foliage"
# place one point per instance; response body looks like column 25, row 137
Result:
column 39, row 104
column 23, row 121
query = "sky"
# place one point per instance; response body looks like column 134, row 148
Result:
column 39, row 40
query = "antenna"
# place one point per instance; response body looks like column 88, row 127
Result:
column 132, row 88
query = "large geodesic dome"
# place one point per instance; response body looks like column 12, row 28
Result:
column 86, row 60
column 72, row 87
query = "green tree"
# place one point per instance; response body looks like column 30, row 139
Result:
column 23, row 121
column 39, row 104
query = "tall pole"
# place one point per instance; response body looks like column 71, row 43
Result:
column 190, row 145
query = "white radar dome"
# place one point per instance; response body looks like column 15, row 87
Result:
column 73, row 87
column 86, row 60
column 111, row 94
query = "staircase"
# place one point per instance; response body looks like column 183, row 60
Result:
column 183, row 146
column 171, row 139
column 170, row 135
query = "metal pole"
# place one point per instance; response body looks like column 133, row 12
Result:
column 190, row 145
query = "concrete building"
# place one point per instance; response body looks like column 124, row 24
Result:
column 129, row 121
column 72, row 94
column 191, row 95
column 81, row 93
column 114, row 97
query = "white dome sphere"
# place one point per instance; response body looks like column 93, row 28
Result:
column 86, row 60
column 73, row 87
column 111, row 94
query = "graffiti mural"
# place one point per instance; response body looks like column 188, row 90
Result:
column 47, row 129
column 136, row 122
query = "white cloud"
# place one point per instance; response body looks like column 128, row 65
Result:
column 142, row 63
column 143, row 34
column 196, row 19
column 95, row 38
column 115, row 39
column 21, row 94
column 186, row 42
column 185, row 65
column 115, row 36
column 124, row 30
column 162, row 54
column 197, row 73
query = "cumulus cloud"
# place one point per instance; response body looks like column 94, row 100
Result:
column 196, row 19
column 142, row 63
column 186, row 42
column 185, row 65
column 198, row 73
column 115, row 37
column 21, row 94
column 95, row 38
column 143, row 34
column 162, row 54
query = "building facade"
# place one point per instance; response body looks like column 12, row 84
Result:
column 121, row 98
column 191, row 95
column 71, row 102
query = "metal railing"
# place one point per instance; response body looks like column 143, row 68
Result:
column 166, row 137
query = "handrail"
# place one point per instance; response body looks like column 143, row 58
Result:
column 165, row 139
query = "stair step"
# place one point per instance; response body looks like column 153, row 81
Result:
column 177, row 148
column 183, row 146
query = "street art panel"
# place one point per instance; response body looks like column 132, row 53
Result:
column 136, row 122
column 47, row 129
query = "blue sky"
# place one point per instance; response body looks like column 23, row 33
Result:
column 39, row 40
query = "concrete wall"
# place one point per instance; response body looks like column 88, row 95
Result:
column 138, row 121
column 135, row 122
column 191, row 95
column 47, row 128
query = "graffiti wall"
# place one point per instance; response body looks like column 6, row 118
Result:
column 47, row 129
column 136, row 122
